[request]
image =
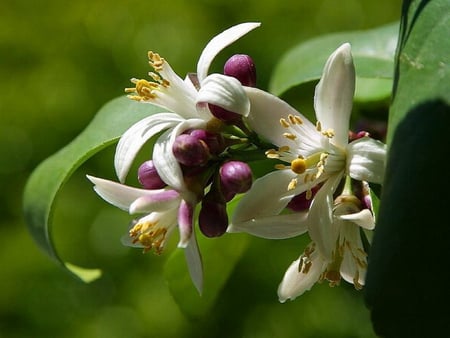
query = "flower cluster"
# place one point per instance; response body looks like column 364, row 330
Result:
column 214, row 126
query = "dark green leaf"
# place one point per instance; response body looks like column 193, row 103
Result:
column 373, row 51
column 50, row 176
column 405, row 290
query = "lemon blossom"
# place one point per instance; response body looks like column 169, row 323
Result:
column 164, row 210
column 315, row 155
column 349, row 258
column 187, row 104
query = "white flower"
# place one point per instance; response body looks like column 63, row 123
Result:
column 164, row 210
column 316, row 155
column 349, row 258
column 187, row 104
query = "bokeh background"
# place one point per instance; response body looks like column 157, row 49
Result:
column 59, row 63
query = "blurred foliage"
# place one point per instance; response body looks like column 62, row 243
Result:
column 60, row 62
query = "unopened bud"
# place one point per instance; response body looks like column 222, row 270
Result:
column 235, row 178
column 190, row 151
column 224, row 115
column 214, row 141
column 241, row 67
column 149, row 177
column 213, row 217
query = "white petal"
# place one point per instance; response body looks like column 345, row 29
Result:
column 267, row 197
column 274, row 227
column 364, row 219
column 194, row 263
column 165, row 162
column 321, row 228
column 366, row 160
column 296, row 282
column 226, row 92
column 267, row 110
column 161, row 201
column 218, row 43
column 119, row 195
column 136, row 136
column 334, row 94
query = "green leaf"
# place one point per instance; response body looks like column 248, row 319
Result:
column 423, row 58
column 405, row 291
column 219, row 255
column 49, row 177
column 373, row 51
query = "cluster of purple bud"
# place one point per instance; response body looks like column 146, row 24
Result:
column 204, row 162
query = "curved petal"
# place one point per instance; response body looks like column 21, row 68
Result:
column 194, row 263
column 321, row 217
column 161, row 201
column 297, row 280
column 185, row 223
column 218, row 43
column 354, row 263
column 364, row 219
column 165, row 162
column 226, row 92
column 136, row 136
column 120, row 195
column 333, row 97
column 273, row 227
column 366, row 160
column 267, row 110
column 267, row 197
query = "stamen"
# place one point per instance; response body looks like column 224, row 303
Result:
column 318, row 126
column 149, row 235
column 290, row 136
column 156, row 61
column 328, row 133
column 294, row 119
column 280, row 166
column 293, row 184
column 284, row 123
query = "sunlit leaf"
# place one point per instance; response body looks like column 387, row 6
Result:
column 50, row 176
column 373, row 51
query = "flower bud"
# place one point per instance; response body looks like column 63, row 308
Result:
column 214, row 141
column 241, row 67
column 213, row 217
column 149, row 177
column 190, row 151
column 224, row 115
column 235, row 178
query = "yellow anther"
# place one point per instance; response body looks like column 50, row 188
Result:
column 283, row 148
column 290, row 136
column 156, row 61
column 318, row 126
column 308, row 194
column 328, row 133
column 293, row 119
column 292, row 184
column 280, row 166
column 284, row 123
column 298, row 166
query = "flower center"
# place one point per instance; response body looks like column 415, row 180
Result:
column 149, row 235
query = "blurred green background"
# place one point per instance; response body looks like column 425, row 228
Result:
column 59, row 63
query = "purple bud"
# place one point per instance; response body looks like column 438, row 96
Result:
column 190, row 151
column 214, row 141
column 149, row 177
column 241, row 67
column 213, row 217
column 235, row 178
column 224, row 115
